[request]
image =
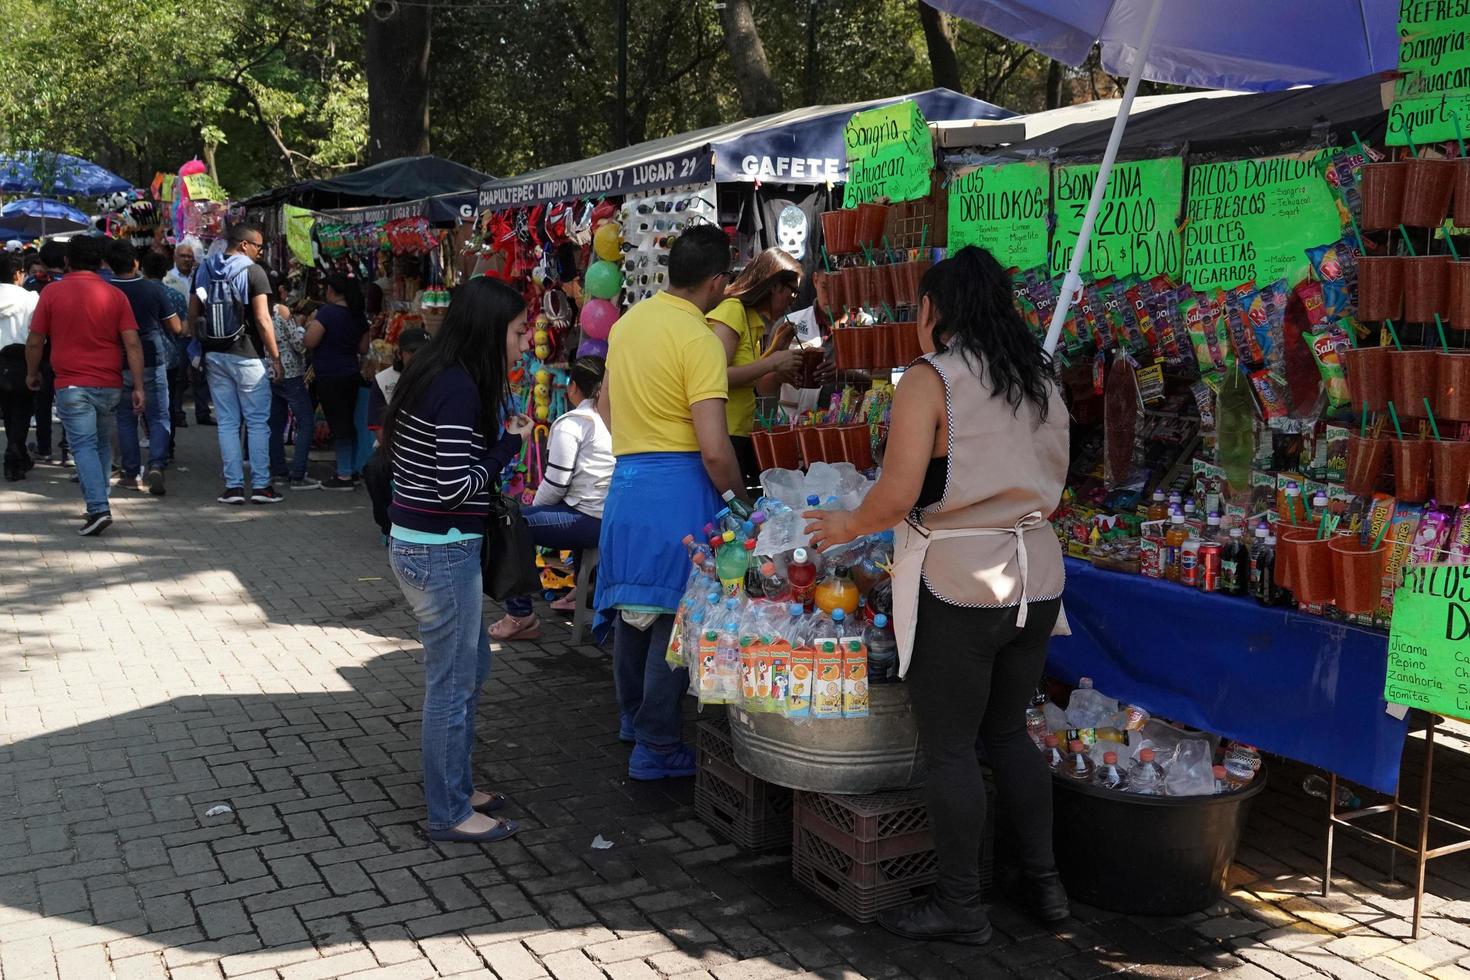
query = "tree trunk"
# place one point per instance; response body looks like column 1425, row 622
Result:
column 758, row 93
column 939, row 36
column 397, row 65
column 1057, row 94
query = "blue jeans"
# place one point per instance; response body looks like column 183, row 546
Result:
column 648, row 691
column 241, row 390
column 562, row 528
column 88, row 416
column 366, row 440
column 442, row 585
column 155, row 411
column 291, row 393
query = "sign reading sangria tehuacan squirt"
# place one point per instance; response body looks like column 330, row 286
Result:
column 1005, row 209
column 1253, row 220
column 1137, row 229
column 890, row 154
column 1432, row 94
column 1429, row 641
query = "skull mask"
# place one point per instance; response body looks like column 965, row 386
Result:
column 791, row 231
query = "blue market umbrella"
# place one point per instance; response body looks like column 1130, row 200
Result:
column 41, row 172
column 1236, row 44
column 34, row 216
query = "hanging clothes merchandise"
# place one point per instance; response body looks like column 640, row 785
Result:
column 788, row 219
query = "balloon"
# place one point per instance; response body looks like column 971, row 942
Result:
column 543, row 351
column 607, row 241
column 592, row 348
column 604, row 279
column 598, row 317
column 543, row 377
column 540, row 336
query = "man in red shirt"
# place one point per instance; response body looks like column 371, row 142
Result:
column 91, row 327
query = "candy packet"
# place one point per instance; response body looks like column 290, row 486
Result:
column 1268, row 395
column 1458, row 545
column 1242, row 336
column 1431, row 537
column 1310, row 293
column 1266, row 311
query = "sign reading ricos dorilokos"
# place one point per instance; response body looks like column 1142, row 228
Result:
column 1429, row 641
column 1003, row 209
column 889, row 154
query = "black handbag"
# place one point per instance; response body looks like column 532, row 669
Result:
column 508, row 559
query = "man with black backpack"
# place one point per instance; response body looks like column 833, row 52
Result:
column 229, row 307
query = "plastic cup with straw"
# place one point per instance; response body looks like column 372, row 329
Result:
column 1394, row 415
column 1433, row 425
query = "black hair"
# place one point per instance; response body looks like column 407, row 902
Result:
column 472, row 337
column 156, row 264
column 120, row 256
column 351, row 293
column 243, row 230
column 975, row 309
column 587, row 374
column 53, row 253
column 9, row 266
column 84, row 253
column 699, row 253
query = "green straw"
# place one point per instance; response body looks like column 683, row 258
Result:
column 923, row 238
column 887, row 311
column 1394, row 334
column 1409, row 138
column 1378, row 541
column 1357, row 232
column 1363, row 425
column 1459, row 137
column 828, row 262
column 1449, row 239
column 868, row 253
column 1433, row 424
column 1439, row 325
column 1322, row 524
column 1407, row 244
column 1393, row 414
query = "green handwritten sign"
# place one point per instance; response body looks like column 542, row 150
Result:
column 203, row 187
column 1137, row 227
column 1432, row 95
column 1003, row 209
column 889, row 154
column 1429, row 641
column 1254, row 219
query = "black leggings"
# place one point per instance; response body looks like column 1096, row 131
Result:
column 973, row 673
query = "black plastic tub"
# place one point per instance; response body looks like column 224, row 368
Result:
column 1147, row 855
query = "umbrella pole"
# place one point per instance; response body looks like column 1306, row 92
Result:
column 1072, row 284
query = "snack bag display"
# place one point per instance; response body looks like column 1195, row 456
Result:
column 1266, row 312
column 1325, row 344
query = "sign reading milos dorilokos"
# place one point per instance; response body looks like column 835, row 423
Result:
column 1429, row 641
column 889, row 154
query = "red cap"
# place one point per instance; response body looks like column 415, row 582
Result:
column 1075, row 745
column 750, row 544
column 1110, row 758
column 1051, row 741
column 769, row 568
column 1146, row 755
column 688, row 539
column 1220, row 772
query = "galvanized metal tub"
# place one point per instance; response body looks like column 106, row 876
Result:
column 848, row 755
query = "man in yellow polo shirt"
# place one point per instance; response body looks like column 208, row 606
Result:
column 666, row 390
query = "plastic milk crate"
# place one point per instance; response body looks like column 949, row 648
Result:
column 751, row 813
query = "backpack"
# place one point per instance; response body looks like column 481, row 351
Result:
column 225, row 314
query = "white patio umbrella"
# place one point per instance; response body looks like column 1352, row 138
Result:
column 1256, row 45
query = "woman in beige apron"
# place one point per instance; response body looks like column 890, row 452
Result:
column 976, row 460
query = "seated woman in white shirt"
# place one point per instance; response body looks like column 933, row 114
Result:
column 567, row 511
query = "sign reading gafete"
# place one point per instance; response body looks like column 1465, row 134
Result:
column 889, row 154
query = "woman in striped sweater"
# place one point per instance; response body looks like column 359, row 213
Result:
column 444, row 434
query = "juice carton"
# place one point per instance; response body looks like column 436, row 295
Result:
column 799, row 695
column 709, row 642
column 779, row 657
column 827, row 692
column 854, row 678
column 749, row 671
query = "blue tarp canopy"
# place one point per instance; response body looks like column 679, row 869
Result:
column 802, row 146
column 391, row 181
column 445, row 209
column 42, row 172
column 34, row 216
column 1258, row 45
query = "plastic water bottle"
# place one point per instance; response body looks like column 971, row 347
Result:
column 1146, row 777
column 727, row 661
column 1241, row 763
column 1079, row 764
column 813, row 501
column 882, row 651
column 1036, row 724
column 1055, row 761
column 736, row 506
column 1222, row 783
column 1109, row 775
column 1315, row 785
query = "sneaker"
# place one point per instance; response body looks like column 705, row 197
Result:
column 265, row 495
column 154, row 482
column 646, row 764
column 516, row 628
column 232, row 495
column 337, row 483
column 305, row 483
column 94, row 524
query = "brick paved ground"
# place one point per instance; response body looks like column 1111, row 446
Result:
column 262, row 658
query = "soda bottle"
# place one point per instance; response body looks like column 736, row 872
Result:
column 1235, row 563
column 1212, row 528
column 1174, row 540
column 802, row 574
column 736, row 506
column 1079, row 764
column 755, row 587
column 1055, row 761
column 1263, row 574
column 731, row 562
column 1241, row 763
column 1222, row 783
column 1146, row 777
column 773, row 583
column 1158, row 508
column 837, row 591
column 1036, row 725
column 1109, row 775
column 691, row 547
column 1293, row 511
column 1319, row 507
column 880, row 599
column 883, row 652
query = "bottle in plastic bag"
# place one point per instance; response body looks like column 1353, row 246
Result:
column 1036, row 725
column 1241, row 763
column 882, row 651
column 802, row 574
column 837, row 591
column 1146, row 777
column 773, row 583
column 1222, row 782
column 803, row 663
column 1109, row 774
column 1055, row 761
column 1089, row 708
column 1315, row 785
column 1079, row 764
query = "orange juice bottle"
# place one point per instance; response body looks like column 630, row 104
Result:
column 1174, row 540
column 837, row 592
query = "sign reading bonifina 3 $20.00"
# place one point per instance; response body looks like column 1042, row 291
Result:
column 889, row 154
column 1429, row 641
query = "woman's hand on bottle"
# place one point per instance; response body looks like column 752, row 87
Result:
column 785, row 364
column 829, row 528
